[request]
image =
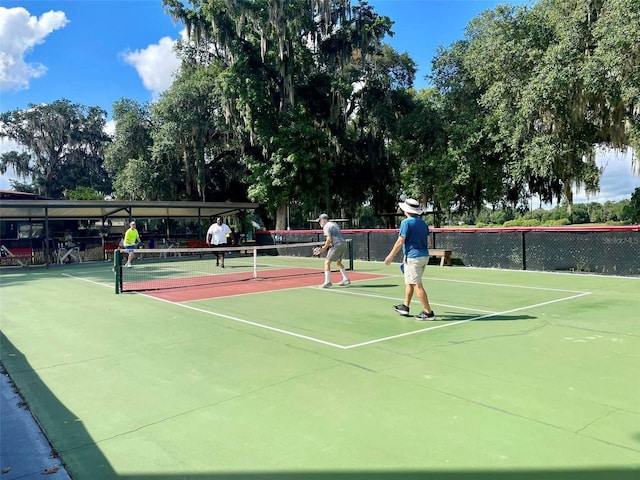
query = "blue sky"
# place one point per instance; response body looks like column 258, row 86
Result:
column 94, row 52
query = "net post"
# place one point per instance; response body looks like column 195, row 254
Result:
column 255, row 263
column 117, row 262
column 350, row 253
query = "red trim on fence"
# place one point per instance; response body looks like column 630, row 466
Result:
column 577, row 228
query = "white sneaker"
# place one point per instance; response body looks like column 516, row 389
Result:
column 326, row 285
column 345, row 282
column 128, row 265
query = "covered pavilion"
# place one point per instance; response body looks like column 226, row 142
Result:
column 108, row 211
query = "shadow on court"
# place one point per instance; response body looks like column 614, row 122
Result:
column 68, row 437
column 393, row 475
column 17, row 276
column 60, row 425
column 14, row 276
column 493, row 318
column 85, row 460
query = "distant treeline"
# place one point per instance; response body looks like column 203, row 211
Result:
column 625, row 212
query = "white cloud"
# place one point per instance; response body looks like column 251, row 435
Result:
column 20, row 32
column 618, row 181
column 156, row 65
column 620, row 177
column 10, row 174
column 110, row 128
column 5, row 177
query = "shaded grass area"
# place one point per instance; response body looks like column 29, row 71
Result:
column 524, row 375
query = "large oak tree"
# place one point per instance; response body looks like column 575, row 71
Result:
column 64, row 147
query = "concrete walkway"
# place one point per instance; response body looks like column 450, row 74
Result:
column 25, row 453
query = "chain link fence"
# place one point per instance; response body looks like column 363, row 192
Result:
column 601, row 250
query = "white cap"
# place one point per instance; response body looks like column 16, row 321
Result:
column 410, row 206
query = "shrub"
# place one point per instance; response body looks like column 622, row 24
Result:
column 521, row 222
column 559, row 222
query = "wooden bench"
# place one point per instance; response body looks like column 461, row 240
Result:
column 22, row 255
column 445, row 255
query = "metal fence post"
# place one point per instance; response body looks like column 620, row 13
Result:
column 117, row 262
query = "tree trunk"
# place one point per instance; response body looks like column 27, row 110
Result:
column 281, row 216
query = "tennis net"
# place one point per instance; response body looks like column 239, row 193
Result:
column 167, row 268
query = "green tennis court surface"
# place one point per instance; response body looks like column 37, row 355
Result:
column 523, row 375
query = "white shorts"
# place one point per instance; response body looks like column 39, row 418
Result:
column 414, row 269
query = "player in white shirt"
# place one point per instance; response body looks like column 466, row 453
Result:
column 217, row 235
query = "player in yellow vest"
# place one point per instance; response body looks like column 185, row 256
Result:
column 131, row 241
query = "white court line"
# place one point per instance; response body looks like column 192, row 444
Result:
column 265, row 292
column 350, row 291
column 362, row 344
column 450, row 324
column 248, row 322
column 110, row 285
column 546, row 272
column 355, row 345
column 228, row 317
column 506, row 285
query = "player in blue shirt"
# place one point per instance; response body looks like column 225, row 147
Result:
column 412, row 239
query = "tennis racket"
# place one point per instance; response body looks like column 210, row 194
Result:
column 402, row 267
column 316, row 251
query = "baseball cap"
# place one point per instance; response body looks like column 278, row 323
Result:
column 323, row 216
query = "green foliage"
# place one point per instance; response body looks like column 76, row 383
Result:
column 368, row 218
column 307, row 109
column 64, row 146
column 558, row 223
column 610, row 213
column 132, row 137
column 631, row 211
column 579, row 214
column 83, row 193
column 297, row 166
column 612, row 76
column 131, row 147
column 137, row 182
column 615, row 211
column 494, row 216
column 22, row 187
column 522, row 222
column 287, row 89
column 326, row 119
column 194, row 134
column 548, row 84
column 420, row 141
